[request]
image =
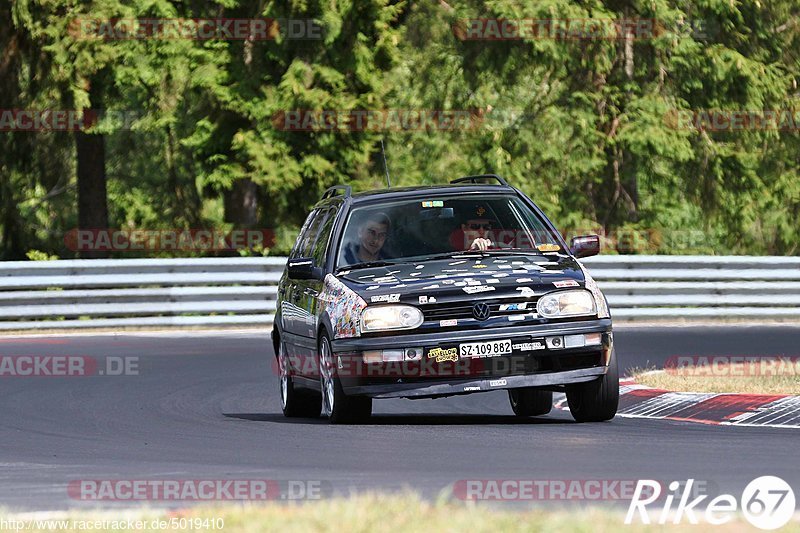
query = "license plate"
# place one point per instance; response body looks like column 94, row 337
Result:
column 485, row 349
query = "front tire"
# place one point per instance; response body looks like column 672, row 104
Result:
column 598, row 400
column 336, row 405
column 295, row 403
column 529, row 401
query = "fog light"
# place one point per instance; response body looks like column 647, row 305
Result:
column 393, row 355
column 573, row 341
column 555, row 343
column 593, row 339
column 372, row 356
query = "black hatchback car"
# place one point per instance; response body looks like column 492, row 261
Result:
column 428, row 292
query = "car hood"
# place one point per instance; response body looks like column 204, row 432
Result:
column 465, row 278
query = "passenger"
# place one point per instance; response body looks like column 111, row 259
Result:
column 372, row 233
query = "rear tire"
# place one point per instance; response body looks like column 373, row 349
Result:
column 529, row 401
column 336, row 405
column 295, row 403
column 598, row 400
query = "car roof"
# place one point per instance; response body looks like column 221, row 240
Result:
column 433, row 190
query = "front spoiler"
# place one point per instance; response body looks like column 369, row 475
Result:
column 412, row 338
column 451, row 387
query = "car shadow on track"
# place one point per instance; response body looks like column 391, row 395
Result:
column 448, row 419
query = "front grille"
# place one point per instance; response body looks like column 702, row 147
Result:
column 463, row 310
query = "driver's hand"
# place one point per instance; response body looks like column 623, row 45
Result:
column 481, row 244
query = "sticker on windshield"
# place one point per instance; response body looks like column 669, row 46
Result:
column 548, row 247
column 433, row 203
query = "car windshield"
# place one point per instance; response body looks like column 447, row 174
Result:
column 420, row 228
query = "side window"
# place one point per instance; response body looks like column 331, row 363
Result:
column 324, row 235
column 302, row 245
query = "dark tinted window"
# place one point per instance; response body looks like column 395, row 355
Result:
column 420, row 226
column 327, row 218
column 304, row 241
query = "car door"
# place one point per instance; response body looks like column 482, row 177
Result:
column 308, row 290
column 292, row 320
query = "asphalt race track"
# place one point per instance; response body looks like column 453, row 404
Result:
column 206, row 406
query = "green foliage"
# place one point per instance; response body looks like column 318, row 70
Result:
column 38, row 255
column 586, row 127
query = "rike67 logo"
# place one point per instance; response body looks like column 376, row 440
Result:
column 767, row 503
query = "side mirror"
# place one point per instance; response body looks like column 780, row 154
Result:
column 585, row 246
column 304, row 268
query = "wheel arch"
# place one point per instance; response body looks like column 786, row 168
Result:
column 324, row 325
column 276, row 339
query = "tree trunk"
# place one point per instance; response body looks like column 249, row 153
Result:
column 630, row 183
column 13, row 235
column 91, row 170
column 241, row 204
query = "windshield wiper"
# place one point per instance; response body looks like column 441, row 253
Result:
column 447, row 255
column 478, row 253
column 366, row 264
column 514, row 251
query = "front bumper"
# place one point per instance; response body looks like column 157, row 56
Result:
column 533, row 368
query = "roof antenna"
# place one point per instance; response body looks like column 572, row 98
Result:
column 385, row 167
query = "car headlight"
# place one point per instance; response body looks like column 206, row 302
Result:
column 389, row 317
column 566, row 303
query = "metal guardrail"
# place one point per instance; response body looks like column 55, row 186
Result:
column 113, row 293
column 242, row 291
column 698, row 287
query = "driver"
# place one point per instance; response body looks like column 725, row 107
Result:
column 476, row 232
column 481, row 229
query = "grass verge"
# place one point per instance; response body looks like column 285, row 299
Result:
column 744, row 378
column 379, row 513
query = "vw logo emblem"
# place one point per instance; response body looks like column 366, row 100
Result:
column 481, row 311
